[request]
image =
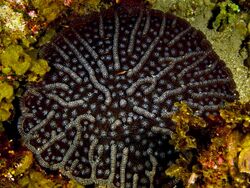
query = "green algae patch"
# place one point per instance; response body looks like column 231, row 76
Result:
column 180, row 169
column 15, row 58
column 16, row 65
column 38, row 69
column 227, row 14
column 6, row 97
column 83, row 7
column 47, row 37
column 244, row 156
column 74, row 184
column 6, row 91
column 37, row 179
column 237, row 113
column 5, row 110
column 185, row 120
column 49, row 9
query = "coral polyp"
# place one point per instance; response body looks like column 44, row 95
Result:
column 102, row 113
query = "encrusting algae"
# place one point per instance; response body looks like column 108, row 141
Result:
column 17, row 65
column 185, row 120
column 6, row 97
column 224, row 162
column 220, row 160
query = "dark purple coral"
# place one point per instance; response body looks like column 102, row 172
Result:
column 102, row 114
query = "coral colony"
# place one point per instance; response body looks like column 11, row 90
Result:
column 102, row 114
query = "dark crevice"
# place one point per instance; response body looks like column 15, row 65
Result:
column 246, row 44
column 215, row 13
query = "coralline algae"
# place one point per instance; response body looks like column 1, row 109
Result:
column 102, row 114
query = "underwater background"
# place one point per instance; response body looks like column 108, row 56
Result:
column 217, row 155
